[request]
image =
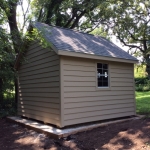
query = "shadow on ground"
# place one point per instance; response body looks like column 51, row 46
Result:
column 133, row 134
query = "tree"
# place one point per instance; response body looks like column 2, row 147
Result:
column 11, row 42
column 84, row 15
column 9, row 7
column 7, row 58
column 130, row 22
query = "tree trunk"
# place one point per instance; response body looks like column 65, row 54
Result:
column 16, row 38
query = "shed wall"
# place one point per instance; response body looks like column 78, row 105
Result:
column 84, row 102
column 39, row 81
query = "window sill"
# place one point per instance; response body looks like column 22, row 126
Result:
column 103, row 88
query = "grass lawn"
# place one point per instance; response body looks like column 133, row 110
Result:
column 143, row 103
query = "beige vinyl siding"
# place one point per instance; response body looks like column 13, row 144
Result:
column 39, row 82
column 84, row 102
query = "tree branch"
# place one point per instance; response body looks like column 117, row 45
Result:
column 11, row 15
column 25, row 14
column 77, row 19
column 40, row 14
column 130, row 45
column 70, row 20
column 132, row 36
column 145, row 45
column 53, row 5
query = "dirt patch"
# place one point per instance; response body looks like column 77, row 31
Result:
column 130, row 135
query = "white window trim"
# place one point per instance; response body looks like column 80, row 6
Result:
column 109, row 76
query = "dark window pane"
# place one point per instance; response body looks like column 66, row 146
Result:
column 105, row 83
column 100, row 84
column 105, row 79
column 100, row 79
column 105, row 66
column 99, row 71
column 99, row 65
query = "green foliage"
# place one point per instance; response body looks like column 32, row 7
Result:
column 141, row 88
column 80, row 14
column 129, row 21
column 141, row 80
column 8, row 106
column 7, row 58
column 100, row 32
column 36, row 35
column 142, row 84
column 140, row 71
column 143, row 103
column 10, row 45
column 138, row 88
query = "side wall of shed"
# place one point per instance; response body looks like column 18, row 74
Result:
column 39, row 82
column 83, row 102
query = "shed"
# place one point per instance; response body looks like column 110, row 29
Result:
column 81, row 78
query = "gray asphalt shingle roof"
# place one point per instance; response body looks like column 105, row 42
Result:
column 73, row 41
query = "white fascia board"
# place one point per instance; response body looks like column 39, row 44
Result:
column 90, row 56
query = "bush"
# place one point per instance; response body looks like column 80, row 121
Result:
column 142, row 84
column 138, row 88
column 146, row 88
column 8, row 107
column 142, row 88
column 143, row 80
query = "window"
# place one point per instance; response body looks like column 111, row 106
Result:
column 102, row 75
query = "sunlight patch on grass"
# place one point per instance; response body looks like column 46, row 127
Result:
column 139, row 97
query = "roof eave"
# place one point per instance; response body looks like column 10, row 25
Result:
column 91, row 56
